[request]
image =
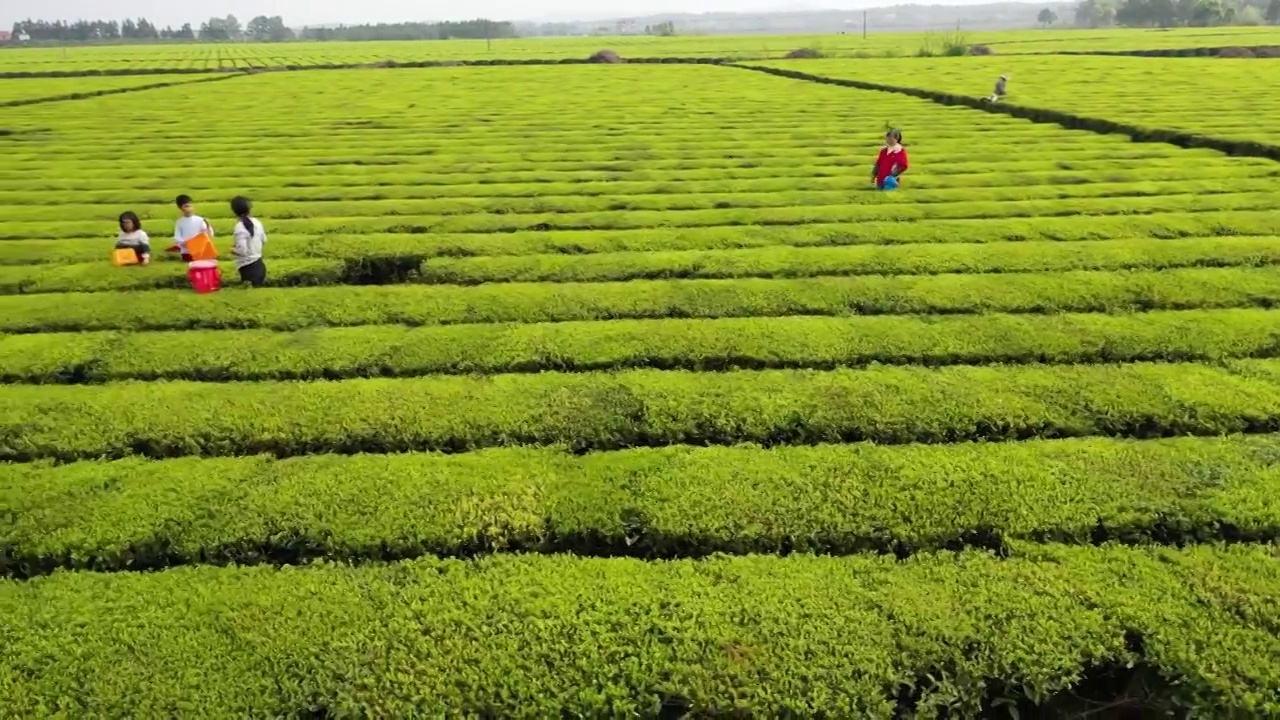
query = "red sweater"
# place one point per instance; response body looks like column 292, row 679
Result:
column 890, row 164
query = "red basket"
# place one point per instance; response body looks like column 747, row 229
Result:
column 204, row 275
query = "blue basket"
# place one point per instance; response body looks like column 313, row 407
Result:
column 890, row 183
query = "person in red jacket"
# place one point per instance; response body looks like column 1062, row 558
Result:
column 891, row 163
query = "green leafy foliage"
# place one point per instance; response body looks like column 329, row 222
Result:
column 363, row 266
column 633, row 219
column 530, row 636
column 602, row 411
column 715, row 344
column 663, row 502
column 1157, row 99
column 558, row 281
column 293, row 308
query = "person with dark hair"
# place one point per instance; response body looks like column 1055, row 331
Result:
column 133, row 237
column 188, row 226
column 250, row 236
column 891, row 162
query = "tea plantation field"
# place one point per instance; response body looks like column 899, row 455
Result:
column 21, row 92
column 614, row 391
column 204, row 57
column 1151, row 93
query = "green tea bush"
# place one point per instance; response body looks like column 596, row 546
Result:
column 531, row 636
column 664, row 502
column 631, row 219
column 608, row 411
column 364, row 267
column 1159, row 99
column 531, row 368
column 578, row 243
column 701, row 345
column 295, row 308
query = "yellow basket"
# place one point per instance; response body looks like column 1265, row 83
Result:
column 124, row 256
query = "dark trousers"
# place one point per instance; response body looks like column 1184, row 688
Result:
column 255, row 273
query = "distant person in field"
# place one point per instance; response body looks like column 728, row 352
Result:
column 132, row 237
column 250, row 236
column 891, row 162
column 189, row 225
column 1000, row 89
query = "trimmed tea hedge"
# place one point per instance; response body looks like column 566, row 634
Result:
column 538, row 636
column 852, row 193
column 632, row 408
column 810, row 180
column 637, row 219
column 133, row 514
column 717, row 344
column 284, row 309
column 946, row 202
column 768, row 262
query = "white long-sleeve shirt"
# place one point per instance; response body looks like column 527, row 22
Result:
column 189, row 227
column 247, row 248
column 137, row 238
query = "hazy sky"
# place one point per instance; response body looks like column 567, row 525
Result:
column 300, row 12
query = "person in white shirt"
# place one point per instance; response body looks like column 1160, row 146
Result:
column 132, row 237
column 250, row 236
column 188, row 226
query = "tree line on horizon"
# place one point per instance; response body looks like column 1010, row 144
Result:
column 260, row 29
column 1176, row 13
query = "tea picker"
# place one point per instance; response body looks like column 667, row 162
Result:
column 1000, row 90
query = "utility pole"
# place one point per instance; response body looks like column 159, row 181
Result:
column 864, row 24
column 488, row 36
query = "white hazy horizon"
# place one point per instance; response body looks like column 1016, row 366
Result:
column 332, row 12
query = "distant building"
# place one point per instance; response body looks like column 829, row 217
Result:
column 5, row 36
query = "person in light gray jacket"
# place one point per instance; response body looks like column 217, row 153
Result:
column 250, row 236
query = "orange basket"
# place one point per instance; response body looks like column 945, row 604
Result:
column 201, row 247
